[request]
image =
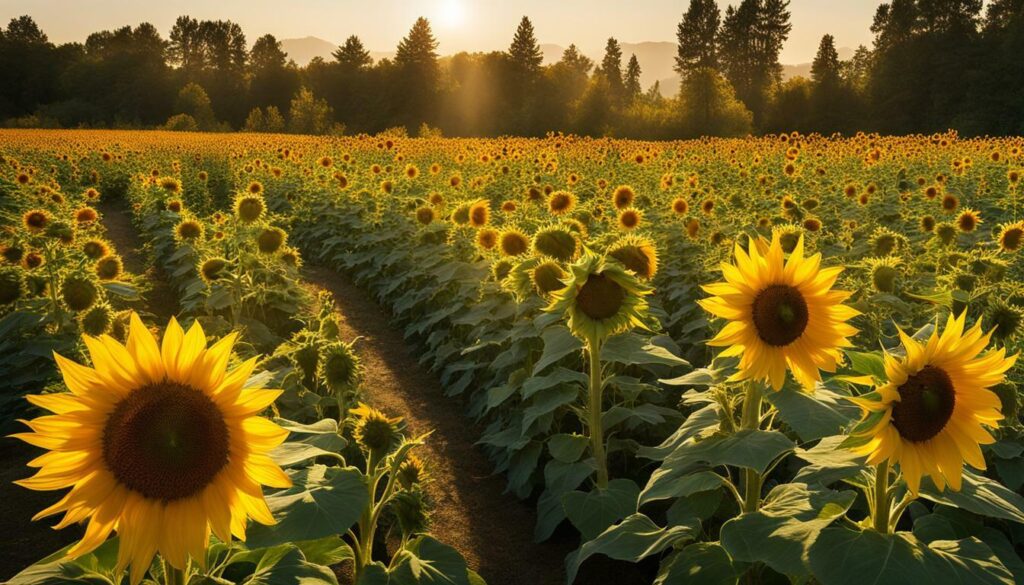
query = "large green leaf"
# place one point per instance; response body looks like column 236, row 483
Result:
column 822, row 414
column 285, row 565
column 594, row 511
column 567, row 448
column 752, row 449
column 427, row 562
column 95, row 568
column 979, row 494
column 308, row 441
column 841, row 556
column 635, row 538
column 829, row 463
column 323, row 501
column 635, row 349
column 706, row 563
column 789, row 520
column 558, row 343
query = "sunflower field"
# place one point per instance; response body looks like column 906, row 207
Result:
column 764, row 360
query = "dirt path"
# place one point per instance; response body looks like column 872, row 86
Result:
column 494, row 531
column 160, row 300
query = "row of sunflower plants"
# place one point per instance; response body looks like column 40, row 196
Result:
column 185, row 452
column 857, row 476
column 170, row 452
column 59, row 277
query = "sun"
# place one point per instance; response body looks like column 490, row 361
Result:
column 451, row 13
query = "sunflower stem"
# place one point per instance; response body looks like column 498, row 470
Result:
column 882, row 507
column 595, row 403
column 751, row 420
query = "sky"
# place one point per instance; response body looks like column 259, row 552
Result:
column 460, row 25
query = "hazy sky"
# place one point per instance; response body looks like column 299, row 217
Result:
column 469, row 25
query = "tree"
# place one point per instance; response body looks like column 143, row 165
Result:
column 524, row 53
column 697, row 37
column 309, row 114
column 352, row 54
column 752, row 36
column 632, row 82
column 727, row 115
column 611, row 68
column 193, row 101
column 415, row 87
column 185, row 49
column 267, row 53
column 827, row 91
column 273, row 82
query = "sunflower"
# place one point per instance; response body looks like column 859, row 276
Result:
column 781, row 313
column 158, row 443
column 1011, row 236
column 561, row 202
column 931, row 413
column 968, row 220
column 600, row 299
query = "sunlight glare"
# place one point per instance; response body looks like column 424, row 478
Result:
column 452, row 13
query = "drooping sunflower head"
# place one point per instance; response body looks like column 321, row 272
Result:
column 547, row 277
column 154, row 432
column 213, row 269
column 340, row 366
column 78, row 292
column 12, row 284
column 884, row 272
column 600, row 299
column 271, row 240
column 930, row 414
column 109, row 267
column 374, row 430
column 638, row 254
column 97, row 320
column 781, row 314
column 558, row 242
column 1005, row 319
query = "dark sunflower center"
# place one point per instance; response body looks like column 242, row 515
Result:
column 925, row 405
column 600, row 297
column 165, row 441
column 780, row 314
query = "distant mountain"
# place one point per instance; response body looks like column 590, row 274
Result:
column 303, row 50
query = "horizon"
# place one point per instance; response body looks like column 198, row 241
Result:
column 459, row 25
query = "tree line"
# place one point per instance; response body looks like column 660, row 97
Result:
column 933, row 65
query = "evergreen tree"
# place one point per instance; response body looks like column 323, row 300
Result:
column 267, row 53
column 697, row 37
column 611, row 68
column 352, row 54
column 415, row 87
column 524, row 53
column 632, row 82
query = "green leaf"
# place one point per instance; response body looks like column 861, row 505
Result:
column 95, row 568
column 285, row 565
column 706, row 563
column 829, row 463
column 753, row 449
column 780, row 532
column 635, row 538
column 698, row 377
column 635, row 349
column 980, row 495
column 567, row 448
column 324, row 501
column 427, row 561
column 558, row 343
column 841, row 556
column 868, row 364
column 594, row 511
column 823, row 414
column 308, row 441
